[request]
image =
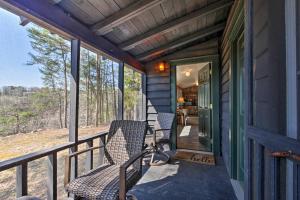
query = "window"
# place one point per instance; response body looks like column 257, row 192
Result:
column 34, row 97
column 98, row 94
column 133, row 96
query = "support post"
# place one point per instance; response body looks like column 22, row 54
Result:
column 248, row 63
column 74, row 101
column 21, row 184
column 291, row 91
column 52, row 177
column 173, row 105
column 121, row 92
column 144, row 98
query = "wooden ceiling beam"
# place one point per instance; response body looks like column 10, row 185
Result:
column 24, row 21
column 182, row 41
column 105, row 26
column 127, row 45
column 205, row 48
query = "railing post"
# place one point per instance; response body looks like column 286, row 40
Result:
column 52, row 177
column 121, row 92
column 259, row 169
column 74, row 100
column 89, row 156
column 21, row 185
column 101, row 150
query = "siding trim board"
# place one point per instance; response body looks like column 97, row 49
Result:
column 233, row 27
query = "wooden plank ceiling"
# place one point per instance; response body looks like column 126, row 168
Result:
column 149, row 29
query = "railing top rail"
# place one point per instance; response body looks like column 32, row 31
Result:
column 4, row 165
column 92, row 137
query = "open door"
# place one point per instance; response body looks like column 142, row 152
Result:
column 204, row 106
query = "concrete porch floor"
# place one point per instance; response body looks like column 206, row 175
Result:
column 181, row 180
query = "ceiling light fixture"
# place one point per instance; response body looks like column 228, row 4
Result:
column 187, row 73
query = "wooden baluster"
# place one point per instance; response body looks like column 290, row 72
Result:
column 89, row 156
column 259, row 169
column 101, row 151
column 52, row 177
column 274, row 167
column 249, row 169
column 21, row 176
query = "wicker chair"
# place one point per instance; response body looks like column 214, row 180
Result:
column 121, row 168
column 161, row 136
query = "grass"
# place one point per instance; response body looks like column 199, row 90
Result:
column 21, row 144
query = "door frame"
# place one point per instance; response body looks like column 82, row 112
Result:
column 235, row 108
column 237, row 31
column 215, row 70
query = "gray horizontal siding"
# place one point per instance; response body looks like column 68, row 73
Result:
column 158, row 93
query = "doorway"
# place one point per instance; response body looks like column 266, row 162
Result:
column 193, row 86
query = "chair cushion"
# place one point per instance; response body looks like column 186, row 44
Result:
column 100, row 183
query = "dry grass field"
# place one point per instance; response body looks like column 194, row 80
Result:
column 21, row 144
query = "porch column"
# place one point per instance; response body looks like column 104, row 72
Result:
column 74, row 101
column 144, row 97
column 291, row 91
column 121, row 92
column 248, row 62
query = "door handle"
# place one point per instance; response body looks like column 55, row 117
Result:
column 286, row 154
column 281, row 154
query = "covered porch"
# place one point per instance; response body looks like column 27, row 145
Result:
column 143, row 44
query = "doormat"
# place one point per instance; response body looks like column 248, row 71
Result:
column 196, row 157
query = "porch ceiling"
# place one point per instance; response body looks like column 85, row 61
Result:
column 148, row 29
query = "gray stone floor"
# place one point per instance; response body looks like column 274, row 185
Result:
column 183, row 180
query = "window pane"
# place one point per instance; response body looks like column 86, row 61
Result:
column 133, row 97
column 34, row 96
column 98, row 93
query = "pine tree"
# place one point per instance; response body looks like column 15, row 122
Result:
column 52, row 55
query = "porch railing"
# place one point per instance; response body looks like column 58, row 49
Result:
column 21, row 164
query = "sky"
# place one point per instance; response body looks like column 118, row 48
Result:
column 14, row 49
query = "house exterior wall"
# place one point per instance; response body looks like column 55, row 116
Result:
column 225, row 77
column 158, row 92
column 269, row 79
column 159, row 98
column 268, row 76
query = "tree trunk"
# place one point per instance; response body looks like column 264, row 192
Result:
column 60, row 111
column 64, row 58
column 97, row 91
column 114, row 91
column 65, row 97
column 102, row 96
column 88, row 92
column 17, row 123
column 106, row 96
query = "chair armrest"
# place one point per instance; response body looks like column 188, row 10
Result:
column 123, row 168
column 68, row 161
column 163, row 129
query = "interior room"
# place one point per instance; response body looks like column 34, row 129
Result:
column 193, row 106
